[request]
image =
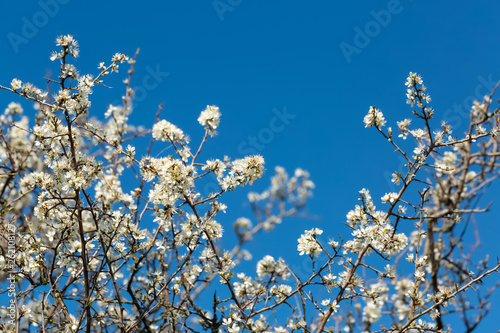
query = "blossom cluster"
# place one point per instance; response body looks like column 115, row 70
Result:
column 128, row 239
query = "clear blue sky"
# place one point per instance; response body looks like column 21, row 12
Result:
column 305, row 58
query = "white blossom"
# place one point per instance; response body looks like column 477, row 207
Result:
column 210, row 119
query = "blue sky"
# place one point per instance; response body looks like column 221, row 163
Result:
column 260, row 61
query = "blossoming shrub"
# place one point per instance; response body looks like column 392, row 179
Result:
column 85, row 255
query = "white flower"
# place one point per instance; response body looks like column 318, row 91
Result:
column 418, row 150
column 217, row 166
column 233, row 329
column 308, row 243
column 403, row 127
column 243, row 223
column 335, row 307
column 396, row 178
column 389, row 197
column 418, row 133
column 435, row 313
column 374, row 117
column 14, row 108
column 413, row 78
column 210, row 118
column 16, row 84
column 281, row 291
column 266, row 266
column 421, row 261
column 471, row 175
column 175, row 179
column 243, row 171
column 70, row 43
column 420, row 275
column 166, row 131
